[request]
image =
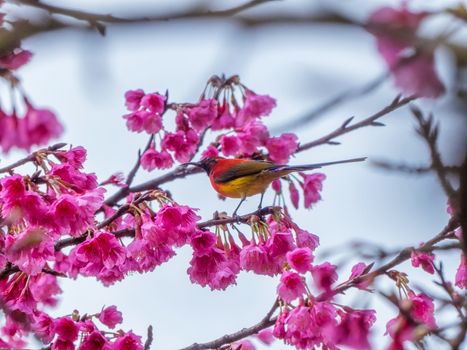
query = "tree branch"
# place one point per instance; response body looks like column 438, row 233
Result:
column 346, row 127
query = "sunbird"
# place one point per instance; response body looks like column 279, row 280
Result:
column 242, row 178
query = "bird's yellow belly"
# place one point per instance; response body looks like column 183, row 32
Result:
column 245, row 186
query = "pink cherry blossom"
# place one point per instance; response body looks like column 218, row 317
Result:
column 423, row 260
column 300, row 259
column 45, row 289
column 183, row 144
column 178, row 222
column 43, row 327
column 422, row 309
column 312, row 186
column 30, row 250
column 75, row 156
column 66, row 329
column 266, row 336
column 128, row 341
column 75, row 214
column 202, row 242
column 306, row 239
column 153, row 159
column 210, row 152
column 133, row 99
column 143, row 255
column 461, row 274
column 73, row 179
column 282, row 147
column 95, row 341
column 291, row 286
column 15, row 59
column 202, row 115
column 255, row 106
column 61, row 344
column 324, row 275
column 353, row 329
column 153, row 102
column 40, row 126
column 294, row 195
column 276, row 186
column 254, row 257
column 224, row 121
column 252, row 135
column 415, row 75
column 110, row 316
column 230, row 145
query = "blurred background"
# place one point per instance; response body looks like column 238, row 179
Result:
column 302, row 63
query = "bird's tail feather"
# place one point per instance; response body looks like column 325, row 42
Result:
column 318, row 165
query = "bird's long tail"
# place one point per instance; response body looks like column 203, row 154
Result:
column 317, row 165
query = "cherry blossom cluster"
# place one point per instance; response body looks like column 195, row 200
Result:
column 226, row 106
column 412, row 67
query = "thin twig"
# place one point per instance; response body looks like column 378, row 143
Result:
column 147, row 344
column 346, row 127
column 32, row 157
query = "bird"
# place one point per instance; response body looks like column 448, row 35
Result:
column 242, row 178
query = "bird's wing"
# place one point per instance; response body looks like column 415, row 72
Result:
column 242, row 169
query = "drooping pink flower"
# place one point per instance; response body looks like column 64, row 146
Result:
column 306, row 239
column 135, row 120
column 422, row 309
column 413, row 75
column 312, row 186
column 291, row 286
column 45, row 288
column 100, row 256
column 230, row 145
column 255, row 106
column 281, row 148
column 266, row 336
column 212, row 269
column 244, row 344
column 128, row 341
column 182, row 143
column 324, row 275
column 294, row 195
column 300, row 259
column 43, row 327
column 95, row 341
column 40, row 126
column 276, row 186
column 30, row 250
column 423, row 260
column 356, row 271
column 60, row 344
column 153, row 159
column 210, row 152
column 203, row 114
column 224, row 121
column 72, row 178
column 66, row 329
column 15, row 59
column 304, row 326
column 144, row 255
column 254, row 257
column 75, row 156
column 252, row 135
column 154, row 102
column 133, row 99
column 278, row 245
column 110, row 316
column 461, row 274
column 202, row 242
column 75, row 214
column 178, row 222
column 353, row 329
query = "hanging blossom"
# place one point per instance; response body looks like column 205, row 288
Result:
column 413, row 69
